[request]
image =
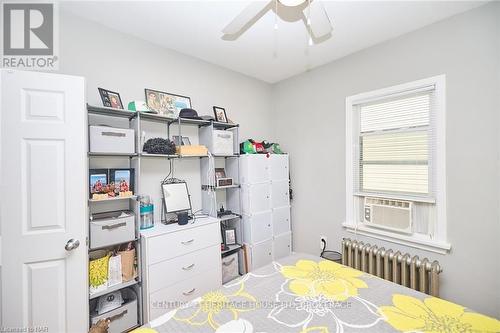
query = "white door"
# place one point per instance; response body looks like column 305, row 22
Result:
column 255, row 198
column 262, row 254
column 279, row 167
column 255, row 169
column 258, row 227
column 43, row 201
column 282, row 246
column 281, row 220
column 280, row 193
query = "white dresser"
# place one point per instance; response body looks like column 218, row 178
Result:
column 265, row 206
column 179, row 264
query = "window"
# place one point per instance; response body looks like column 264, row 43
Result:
column 395, row 156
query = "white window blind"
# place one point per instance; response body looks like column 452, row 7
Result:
column 396, row 144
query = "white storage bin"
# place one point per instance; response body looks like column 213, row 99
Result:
column 257, row 227
column 122, row 318
column 282, row 246
column 111, row 228
column 105, row 139
column 230, row 269
column 218, row 142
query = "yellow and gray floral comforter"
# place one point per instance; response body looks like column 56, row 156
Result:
column 303, row 293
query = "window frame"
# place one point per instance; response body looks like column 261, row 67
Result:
column 439, row 242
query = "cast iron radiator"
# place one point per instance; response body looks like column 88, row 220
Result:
column 403, row 269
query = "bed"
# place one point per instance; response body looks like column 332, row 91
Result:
column 304, row 293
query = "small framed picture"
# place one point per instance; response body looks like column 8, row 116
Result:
column 98, row 181
column 230, row 236
column 166, row 104
column 122, row 180
column 186, row 141
column 110, row 99
column 220, row 173
column 220, row 114
column 177, row 140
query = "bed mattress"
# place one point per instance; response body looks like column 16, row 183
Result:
column 304, row 293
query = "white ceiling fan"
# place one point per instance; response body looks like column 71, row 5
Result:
column 312, row 13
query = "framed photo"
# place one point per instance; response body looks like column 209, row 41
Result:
column 98, row 181
column 230, row 236
column 186, row 141
column 177, row 140
column 122, row 179
column 220, row 173
column 220, row 114
column 110, row 99
column 166, row 104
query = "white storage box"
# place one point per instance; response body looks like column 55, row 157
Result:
column 230, row 266
column 218, row 142
column 122, row 318
column 105, row 139
column 111, row 228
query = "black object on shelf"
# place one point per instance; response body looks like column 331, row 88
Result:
column 330, row 255
column 159, row 146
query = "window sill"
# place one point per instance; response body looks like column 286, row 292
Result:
column 422, row 244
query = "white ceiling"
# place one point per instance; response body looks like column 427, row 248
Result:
column 194, row 28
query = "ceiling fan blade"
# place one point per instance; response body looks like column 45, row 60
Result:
column 245, row 17
column 320, row 22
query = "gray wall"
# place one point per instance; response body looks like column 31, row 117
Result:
column 309, row 116
column 122, row 63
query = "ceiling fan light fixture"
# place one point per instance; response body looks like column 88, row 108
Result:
column 292, row 3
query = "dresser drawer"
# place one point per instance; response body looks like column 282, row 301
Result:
column 167, row 299
column 171, row 245
column 168, row 272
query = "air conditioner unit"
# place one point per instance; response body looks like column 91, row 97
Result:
column 394, row 215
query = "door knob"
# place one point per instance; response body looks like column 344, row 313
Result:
column 72, row 244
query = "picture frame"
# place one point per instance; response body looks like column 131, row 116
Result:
column 123, row 179
column 98, row 180
column 230, row 234
column 177, row 140
column 110, row 99
column 166, row 104
column 220, row 173
column 220, row 114
column 181, row 141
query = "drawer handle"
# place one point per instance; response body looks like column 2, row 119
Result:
column 187, row 293
column 118, row 134
column 187, row 268
column 188, row 242
column 228, row 262
column 113, row 226
column 118, row 316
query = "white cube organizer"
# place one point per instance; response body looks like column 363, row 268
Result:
column 230, row 270
column 265, row 205
column 111, row 228
column 105, row 139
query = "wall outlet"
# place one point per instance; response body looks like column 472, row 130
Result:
column 321, row 239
